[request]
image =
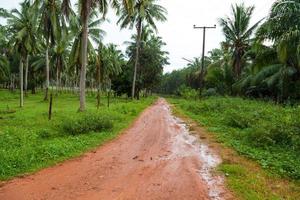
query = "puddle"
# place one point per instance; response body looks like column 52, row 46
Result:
column 186, row 145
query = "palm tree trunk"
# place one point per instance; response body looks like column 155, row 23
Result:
column 57, row 77
column 26, row 75
column 98, row 79
column 47, row 75
column 238, row 69
column 108, row 94
column 86, row 7
column 139, row 32
column 21, row 84
column 33, row 83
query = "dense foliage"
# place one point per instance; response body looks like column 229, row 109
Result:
column 55, row 45
column 259, row 60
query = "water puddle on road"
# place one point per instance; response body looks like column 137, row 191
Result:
column 185, row 145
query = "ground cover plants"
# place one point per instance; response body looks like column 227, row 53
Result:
column 29, row 141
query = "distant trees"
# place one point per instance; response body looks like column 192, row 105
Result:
column 145, row 12
column 64, row 48
column 151, row 61
column 193, row 76
column 244, row 64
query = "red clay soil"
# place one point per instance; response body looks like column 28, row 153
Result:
column 154, row 159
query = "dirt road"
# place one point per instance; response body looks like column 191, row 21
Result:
column 155, row 159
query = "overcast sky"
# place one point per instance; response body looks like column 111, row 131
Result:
column 182, row 40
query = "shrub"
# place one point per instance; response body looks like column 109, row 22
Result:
column 44, row 134
column 88, row 122
column 210, row 92
column 187, row 92
column 238, row 119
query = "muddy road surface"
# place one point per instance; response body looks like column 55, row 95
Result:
column 155, row 159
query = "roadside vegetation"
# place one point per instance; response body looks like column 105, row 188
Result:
column 260, row 131
column 248, row 95
column 29, row 141
column 63, row 90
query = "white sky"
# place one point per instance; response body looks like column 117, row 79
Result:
column 182, row 40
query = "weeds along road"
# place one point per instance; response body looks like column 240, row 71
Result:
column 154, row 159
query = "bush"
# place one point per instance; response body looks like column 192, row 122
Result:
column 88, row 122
column 187, row 92
column 44, row 134
column 238, row 119
column 210, row 92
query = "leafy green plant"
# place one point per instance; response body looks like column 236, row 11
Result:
column 44, row 133
column 187, row 92
column 86, row 123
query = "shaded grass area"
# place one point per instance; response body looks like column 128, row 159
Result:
column 29, row 141
column 235, row 123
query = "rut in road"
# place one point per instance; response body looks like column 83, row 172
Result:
column 154, row 159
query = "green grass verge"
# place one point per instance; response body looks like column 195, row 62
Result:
column 262, row 131
column 29, row 141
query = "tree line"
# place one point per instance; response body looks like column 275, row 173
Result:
column 53, row 43
column 260, row 60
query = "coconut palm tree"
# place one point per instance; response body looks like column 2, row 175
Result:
column 145, row 12
column 280, row 70
column 86, row 7
column 4, row 63
column 95, row 36
column 219, row 73
column 22, row 25
column 152, row 58
column 238, row 32
column 283, row 18
column 98, row 70
column 50, row 28
column 112, row 63
column 60, row 54
column 196, row 63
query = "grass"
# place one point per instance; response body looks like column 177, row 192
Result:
column 263, row 133
column 29, row 141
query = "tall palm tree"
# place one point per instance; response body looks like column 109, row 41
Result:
column 282, row 28
column 50, row 28
column 60, row 54
column 4, row 63
column 99, row 70
column 196, row 63
column 283, row 18
column 112, row 63
column 238, row 32
column 23, row 26
column 152, row 58
column 4, row 67
column 144, row 12
column 86, row 7
column 95, row 35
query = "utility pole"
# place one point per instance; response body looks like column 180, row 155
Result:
column 203, row 48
